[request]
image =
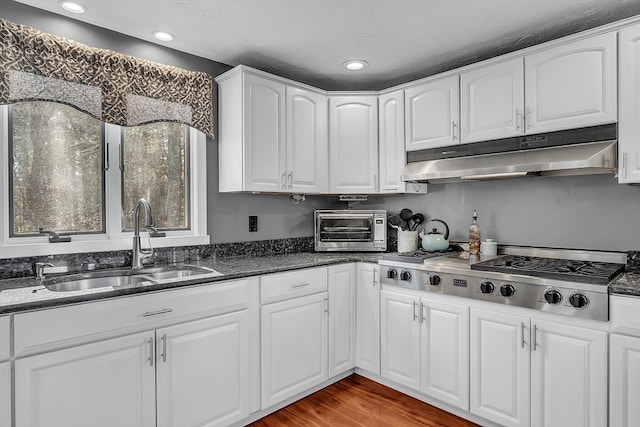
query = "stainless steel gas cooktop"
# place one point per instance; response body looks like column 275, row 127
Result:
column 571, row 283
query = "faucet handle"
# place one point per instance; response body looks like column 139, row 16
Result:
column 153, row 232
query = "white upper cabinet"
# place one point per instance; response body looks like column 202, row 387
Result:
column 432, row 114
column 353, row 144
column 629, row 93
column 492, row 102
column 572, row 85
column 307, row 148
column 252, row 133
column 273, row 136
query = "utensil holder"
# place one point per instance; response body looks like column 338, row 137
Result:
column 407, row 241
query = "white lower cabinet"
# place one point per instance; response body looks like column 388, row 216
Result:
column 104, row 384
column 535, row 372
column 624, row 381
column 368, row 318
column 342, row 318
column 202, row 375
column 5, row 394
column 294, row 333
column 425, row 346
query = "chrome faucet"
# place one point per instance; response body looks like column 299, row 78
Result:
column 138, row 253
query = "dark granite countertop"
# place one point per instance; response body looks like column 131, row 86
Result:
column 627, row 284
column 25, row 294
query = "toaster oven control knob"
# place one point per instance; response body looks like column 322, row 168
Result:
column 405, row 275
column 392, row 273
column 507, row 290
column 578, row 300
column 486, row 287
column 553, row 296
column 434, row 280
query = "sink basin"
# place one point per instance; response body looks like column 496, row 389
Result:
column 85, row 283
column 125, row 277
column 178, row 272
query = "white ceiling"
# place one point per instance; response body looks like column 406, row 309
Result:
column 308, row 40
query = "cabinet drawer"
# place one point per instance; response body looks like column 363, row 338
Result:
column 4, row 338
column 625, row 315
column 281, row 286
column 68, row 326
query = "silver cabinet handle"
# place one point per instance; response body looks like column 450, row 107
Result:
column 326, row 305
column 157, row 312
column 106, row 156
column 151, row 357
column 415, row 316
column 522, row 332
column 624, row 165
column 423, row 308
column 528, row 118
column 517, row 119
column 535, row 337
column 300, row 285
column 290, row 179
column 121, row 157
column 163, row 354
column 453, row 130
column 283, row 180
column 375, row 274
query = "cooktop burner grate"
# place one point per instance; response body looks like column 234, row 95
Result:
column 417, row 256
column 592, row 272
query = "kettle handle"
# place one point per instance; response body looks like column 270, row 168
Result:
column 446, row 228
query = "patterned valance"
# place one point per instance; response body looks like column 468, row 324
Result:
column 115, row 88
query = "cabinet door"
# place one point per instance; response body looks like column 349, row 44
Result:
column 572, row 85
column 432, row 114
column 294, row 347
column 353, row 144
column 400, row 339
column 264, row 133
column 629, row 93
column 445, row 352
column 4, row 338
column 568, row 375
column 499, row 371
column 109, row 383
column 624, row 381
column 202, row 371
column 5, row 394
column 342, row 318
column 368, row 318
column 307, row 154
column 393, row 157
column 492, row 102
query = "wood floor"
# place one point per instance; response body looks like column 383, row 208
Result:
column 358, row 401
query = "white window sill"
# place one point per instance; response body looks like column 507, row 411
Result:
column 87, row 246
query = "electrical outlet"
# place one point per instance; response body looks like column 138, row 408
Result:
column 253, row 223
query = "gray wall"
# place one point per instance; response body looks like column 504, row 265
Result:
column 591, row 212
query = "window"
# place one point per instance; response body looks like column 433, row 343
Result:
column 64, row 171
column 155, row 168
column 56, row 163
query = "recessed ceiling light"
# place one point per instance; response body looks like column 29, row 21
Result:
column 72, row 7
column 355, row 64
column 163, row 36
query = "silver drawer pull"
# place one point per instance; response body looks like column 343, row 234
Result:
column 155, row 313
column 300, row 285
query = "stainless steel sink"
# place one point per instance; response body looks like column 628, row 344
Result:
column 71, row 283
column 125, row 277
column 178, row 272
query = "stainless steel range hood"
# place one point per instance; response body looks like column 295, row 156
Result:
column 573, row 159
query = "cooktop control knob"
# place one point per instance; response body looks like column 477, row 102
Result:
column 405, row 275
column 507, row 290
column 434, row 280
column 486, row 287
column 553, row 296
column 579, row 300
column 392, row 273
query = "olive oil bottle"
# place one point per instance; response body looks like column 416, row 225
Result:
column 474, row 235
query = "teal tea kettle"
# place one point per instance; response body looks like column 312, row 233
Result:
column 434, row 241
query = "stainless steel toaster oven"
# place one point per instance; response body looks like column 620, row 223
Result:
column 350, row 230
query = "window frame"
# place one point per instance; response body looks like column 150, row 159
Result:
column 114, row 237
